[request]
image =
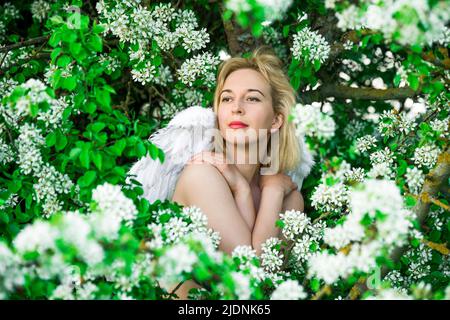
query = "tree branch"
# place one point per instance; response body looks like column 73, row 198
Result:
column 24, row 43
column 232, row 40
column 345, row 92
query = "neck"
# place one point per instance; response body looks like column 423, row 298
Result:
column 248, row 169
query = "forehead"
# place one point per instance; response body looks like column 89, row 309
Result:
column 243, row 79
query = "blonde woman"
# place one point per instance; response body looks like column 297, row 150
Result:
column 241, row 203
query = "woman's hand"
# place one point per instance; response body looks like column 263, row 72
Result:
column 234, row 178
column 278, row 181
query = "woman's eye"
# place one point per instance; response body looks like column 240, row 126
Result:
column 253, row 99
column 226, row 99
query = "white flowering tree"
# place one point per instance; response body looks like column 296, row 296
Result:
column 84, row 83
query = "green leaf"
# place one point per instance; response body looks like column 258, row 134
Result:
column 87, row 179
column 61, row 142
column 55, row 53
column 103, row 98
column 50, row 140
column 410, row 201
column 285, row 31
column 118, row 147
column 63, row 61
column 98, row 126
column 413, row 81
column 55, row 38
column 69, row 83
column 84, row 157
column 95, row 42
column 97, row 159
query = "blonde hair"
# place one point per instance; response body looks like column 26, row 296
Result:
column 283, row 95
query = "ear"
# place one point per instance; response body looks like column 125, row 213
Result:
column 277, row 122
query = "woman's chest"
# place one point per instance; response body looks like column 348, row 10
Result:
column 256, row 195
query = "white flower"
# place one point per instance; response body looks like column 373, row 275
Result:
column 382, row 156
column 200, row 66
column 245, row 254
column 414, row 179
column 271, row 258
column 295, row 223
column 329, row 198
column 175, row 261
column 176, row 229
column 310, row 121
column 39, row 236
column 355, row 174
column 288, row 290
column 40, row 9
column 144, row 75
column 112, row 202
column 426, row 156
column 310, row 45
column 365, row 143
column 241, row 285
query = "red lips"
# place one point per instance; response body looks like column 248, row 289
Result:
column 237, row 125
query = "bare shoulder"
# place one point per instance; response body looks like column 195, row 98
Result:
column 194, row 178
column 294, row 201
column 203, row 186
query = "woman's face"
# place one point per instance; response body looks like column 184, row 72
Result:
column 245, row 107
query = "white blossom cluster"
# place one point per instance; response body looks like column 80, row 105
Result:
column 390, row 124
column 374, row 198
column 294, row 223
column 51, row 183
column 191, row 221
column 40, row 10
column 308, row 242
column 408, row 22
column 310, row 46
column 383, row 164
column 310, row 121
column 111, row 199
column 441, row 126
column 200, row 66
column 330, row 198
column 414, row 179
column 354, row 129
column 355, row 174
column 271, row 257
column 176, row 260
column 132, row 23
column 426, row 156
column 365, row 143
column 31, row 140
column 289, row 290
column 8, row 13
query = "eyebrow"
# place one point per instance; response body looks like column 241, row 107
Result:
column 248, row 90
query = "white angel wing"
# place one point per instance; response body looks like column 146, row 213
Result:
column 187, row 134
column 304, row 167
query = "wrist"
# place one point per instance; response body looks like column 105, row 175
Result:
column 241, row 187
column 273, row 189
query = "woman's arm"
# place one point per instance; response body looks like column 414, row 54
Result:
column 269, row 209
column 244, row 201
column 204, row 186
column 273, row 202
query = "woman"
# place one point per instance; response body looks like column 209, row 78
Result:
column 241, row 203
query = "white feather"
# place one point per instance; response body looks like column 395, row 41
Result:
column 179, row 141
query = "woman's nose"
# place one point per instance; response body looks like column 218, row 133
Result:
column 238, row 107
